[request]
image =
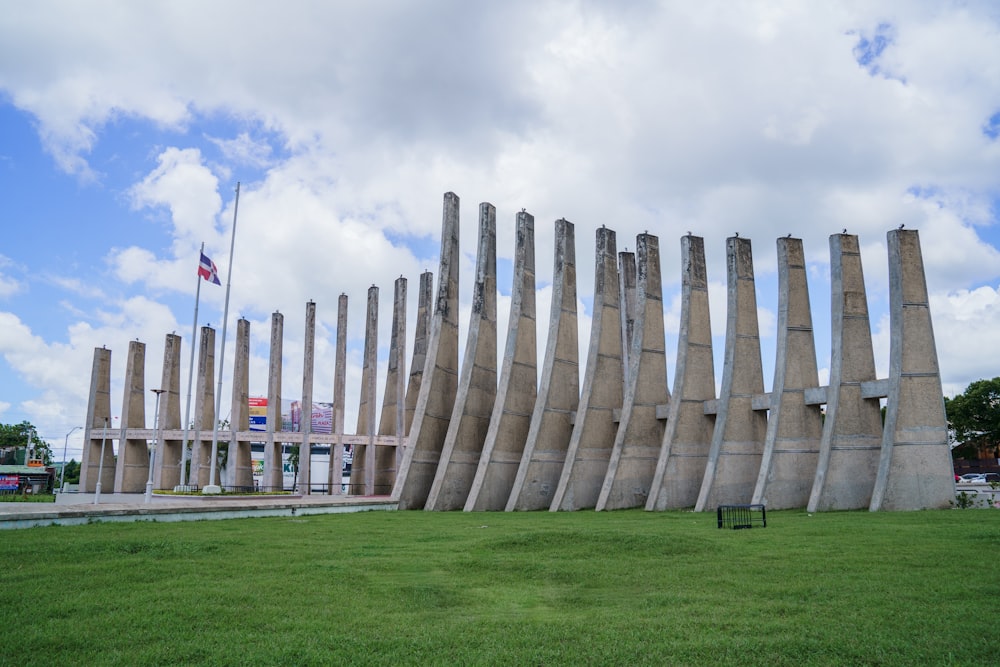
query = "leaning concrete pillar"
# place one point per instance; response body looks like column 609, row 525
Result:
column 852, row 429
column 133, row 454
column 687, row 436
column 477, row 384
column 594, row 429
column 518, row 384
column 308, row 365
column 392, row 419
column 335, row 473
column 204, row 409
column 559, row 391
column 738, row 438
column 421, row 336
column 627, row 297
column 363, row 463
column 915, row 468
column 274, row 478
column 166, row 467
column 439, row 384
column 239, row 471
column 639, row 437
column 98, row 420
column 794, row 427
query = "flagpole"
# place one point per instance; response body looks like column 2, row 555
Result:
column 212, row 487
column 194, row 346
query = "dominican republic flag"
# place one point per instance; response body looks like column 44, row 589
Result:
column 208, row 270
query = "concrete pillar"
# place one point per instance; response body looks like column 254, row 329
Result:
column 477, row 383
column 738, row 439
column 239, row 467
column 439, row 384
column 273, row 473
column 915, row 467
column 166, row 467
column 98, row 419
column 335, row 472
column 204, row 410
column 794, row 427
column 421, row 336
column 559, row 392
column 627, row 296
column 363, row 465
column 308, row 365
column 852, row 429
column 639, row 438
column 133, row 455
column 518, row 384
column 594, row 428
column 687, row 436
column 392, row 419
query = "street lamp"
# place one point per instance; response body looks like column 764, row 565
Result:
column 62, row 473
column 100, row 466
column 152, row 450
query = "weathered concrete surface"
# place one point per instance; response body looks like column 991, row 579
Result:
column 239, row 464
column 304, row 480
column 98, row 420
column 852, row 430
column 363, row 466
column 439, row 384
column 639, row 438
column 477, row 383
column 738, row 439
column 392, row 418
column 204, row 409
column 166, row 466
column 334, row 471
column 627, row 297
column 518, row 384
column 594, row 430
column 687, row 436
column 915, row 468
column 273, row 475
column 133, row 456
column 559, row 392
column 791, row 445
column 421, row 336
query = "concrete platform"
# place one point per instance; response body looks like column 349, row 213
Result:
column 174, row 508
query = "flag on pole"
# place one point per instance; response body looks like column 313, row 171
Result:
column 208, row 270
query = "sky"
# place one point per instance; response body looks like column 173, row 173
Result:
column 125, row 128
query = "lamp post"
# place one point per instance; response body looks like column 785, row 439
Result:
column 100, row 467
column 152, row 451
column 62, row 473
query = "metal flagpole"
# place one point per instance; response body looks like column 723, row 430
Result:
column 194, row 346
column 212, row 487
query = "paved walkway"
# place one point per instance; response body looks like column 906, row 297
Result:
column 179, row 508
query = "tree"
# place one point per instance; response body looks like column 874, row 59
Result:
column 15, row 437
column 974, row 418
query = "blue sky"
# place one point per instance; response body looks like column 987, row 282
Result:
column 124, row 128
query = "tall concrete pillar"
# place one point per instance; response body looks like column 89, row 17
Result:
column 477, row 383
column 687, row 436
column 852, row 430
column 915, row 468
column 305, row 423
column 335, row 471
column 239, row 466
column 639, row 438
column 627, row 296
column 133, row 455
column 363, row 464
column 518, row 384
column 392, row 420
column 439, row 384
column 738, row 439
column 559, row 392
column 594, row 429
column 204, row 409
column 98, row 419
column 421, row 336
column 794, row 427
column 273, row 473
column 166, row 466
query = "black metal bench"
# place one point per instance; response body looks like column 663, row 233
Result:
column 741, row 516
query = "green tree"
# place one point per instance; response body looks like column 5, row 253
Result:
column 14, row 438
column 72, row 473
column 974, row 418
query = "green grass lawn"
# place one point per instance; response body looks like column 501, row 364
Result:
column 612, row 588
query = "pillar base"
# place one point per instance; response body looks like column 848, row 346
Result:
column 212, row 490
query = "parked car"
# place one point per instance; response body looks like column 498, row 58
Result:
column 971, row 477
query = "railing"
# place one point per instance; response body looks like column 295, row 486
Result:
column 741, row 516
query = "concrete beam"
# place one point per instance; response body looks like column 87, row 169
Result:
column 915, row 467
column 166, row 467
column 335, row 470
column 559, row 392
column 791, row 444
column 363, row 462
column 687, row 436
column 627, row 304
column 392, row 418
column 204, row 409
column 239, row 464
column 639, row 437
column 738, row 437
column 477, row 384
column 518, row 384
column 273, row 473
column 133, row 455
column 98, row 417
column 594, row 426
column 304, row 478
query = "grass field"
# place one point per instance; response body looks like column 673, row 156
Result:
column 614, row 588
